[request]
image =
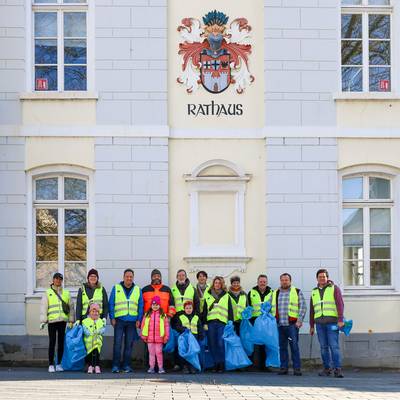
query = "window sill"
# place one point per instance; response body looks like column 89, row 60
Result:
column 59, row 96
column 354, row 96
column 37, row 296
column 361, row 294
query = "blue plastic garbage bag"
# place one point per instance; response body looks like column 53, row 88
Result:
column 74, row 350
column 235, row 356
column 265, row 332
column 189, row 348
column 246, row 331
column 206, row 358
column 170, row 346
column 346, row 328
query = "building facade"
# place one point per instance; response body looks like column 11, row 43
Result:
column 236, row 137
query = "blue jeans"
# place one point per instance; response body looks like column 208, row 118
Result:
column 329, row 341
column 289, row 334
column 129, row 330
column 216, row 342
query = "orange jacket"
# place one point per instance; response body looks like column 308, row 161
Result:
column 164, row 292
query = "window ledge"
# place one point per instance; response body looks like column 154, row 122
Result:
column 37, row 296
column 59, row 96
column 360, row 294
column 353, row 96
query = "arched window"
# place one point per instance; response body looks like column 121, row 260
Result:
column 367, row 223
column 60, row 215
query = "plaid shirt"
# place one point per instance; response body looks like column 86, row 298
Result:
column 283, row 307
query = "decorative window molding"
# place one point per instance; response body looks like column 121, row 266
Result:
column 217, row 177
column 369, row 215
column 60, row 214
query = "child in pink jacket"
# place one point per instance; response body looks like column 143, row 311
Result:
column 155, row 332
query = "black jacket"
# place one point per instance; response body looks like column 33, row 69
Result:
column 177, row 325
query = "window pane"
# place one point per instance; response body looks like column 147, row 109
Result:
column 45, row 24
column 44, row 273
column 352, row 220
column 352, row 79
column 75, row 51
column 351, row 52
column 46, row 248
column 353, row 253
column 380, row 240
column 351, row 2
column 379, row 79
column 49, row 73
column 353, row 240
column 352, row 188
column 75, row 273
column 75, row 78
column 380, row 253
column 46, row 221
column 379, row 188
column 353, row 273
column 74, row 189
column 45, row 1
column 75, row 248
column 379, row 2
column 379, row 26
column 380, row 273
column 75, row 24
column 352, row 26
column 379, row 52
column 380, row 220
column 74, row 1
column 75, row 221
column 45, row 51
column 47, row 189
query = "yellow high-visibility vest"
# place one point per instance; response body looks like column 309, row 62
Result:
column 192, row 324
column 55, row 310
column 293, row 311
column 124, row 306
column 238, row 307
column 256, row 302
column 180, row 299
column 95, row 339
column 219, row 310
column 327, row 306
column 145, row 330
column 96, row 299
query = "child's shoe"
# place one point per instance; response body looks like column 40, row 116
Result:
column 97, row 369
column 161, row 371
column 151, row 371
column 90, row 369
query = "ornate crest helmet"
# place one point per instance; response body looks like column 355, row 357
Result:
column 215, row 18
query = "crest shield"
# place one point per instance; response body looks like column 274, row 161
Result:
column 215, row 72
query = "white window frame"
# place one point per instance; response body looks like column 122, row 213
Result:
column 59, row 172
column 379, row 171
column 59, row 7
column 364, row 9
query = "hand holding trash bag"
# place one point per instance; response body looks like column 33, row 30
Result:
column 265, row 332
column 170, row 346
column 235, row 356
column 246, row 331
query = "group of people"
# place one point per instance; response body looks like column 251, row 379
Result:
column 203, row 308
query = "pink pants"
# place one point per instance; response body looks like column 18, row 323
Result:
column 155, row 351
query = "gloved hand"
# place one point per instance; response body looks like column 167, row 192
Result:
column 70, row 325
column 205, row 327
column 77, row 323
column 42, row 325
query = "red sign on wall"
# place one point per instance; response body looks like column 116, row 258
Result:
column 42, row 84
column 384, row 85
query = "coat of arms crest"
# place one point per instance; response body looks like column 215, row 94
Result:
column 215, row 55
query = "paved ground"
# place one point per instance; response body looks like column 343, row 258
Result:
column 37, row 384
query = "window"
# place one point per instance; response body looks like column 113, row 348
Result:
column 366, row 45
column 60, row 217
column 60, row 45
column 367, row 231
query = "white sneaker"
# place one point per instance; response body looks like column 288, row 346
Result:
column 151, row 371
column 161, row 371
column 90, row 369
column 51, row 368
column 59, row 368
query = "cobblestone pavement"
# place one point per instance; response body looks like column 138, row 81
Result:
column 37, row 384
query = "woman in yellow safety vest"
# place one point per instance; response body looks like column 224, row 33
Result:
column 217, row 312
column 239, row 301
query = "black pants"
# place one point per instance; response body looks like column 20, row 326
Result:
column 93, row 358
column 56, row 333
